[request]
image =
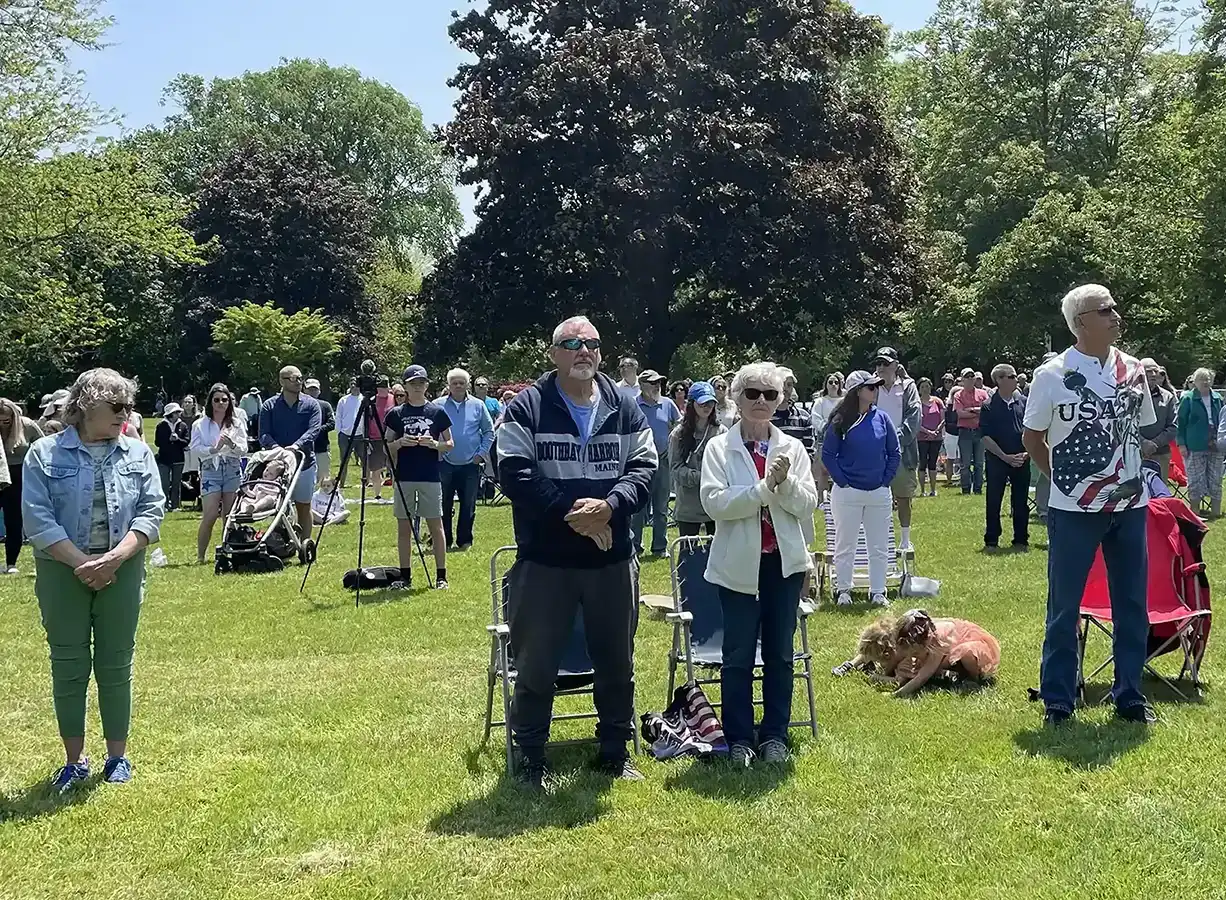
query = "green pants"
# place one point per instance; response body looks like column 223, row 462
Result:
column 72, row 615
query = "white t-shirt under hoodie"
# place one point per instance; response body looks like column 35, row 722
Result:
column 1093, row 414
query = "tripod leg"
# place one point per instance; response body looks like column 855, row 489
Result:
column 331, row 501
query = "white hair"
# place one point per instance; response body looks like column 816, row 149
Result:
column 1203, row 374
column 94, row 388
column 566, row 323
column 458, row 373
column 1082, row 299
column 999, row 370
column 760, row 373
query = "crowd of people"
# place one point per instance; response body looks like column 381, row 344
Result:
column 589, row 464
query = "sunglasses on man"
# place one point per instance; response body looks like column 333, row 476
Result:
column 574, row 344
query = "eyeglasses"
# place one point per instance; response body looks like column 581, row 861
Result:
column 574, row 344
column 483, row 384
column 754, row 393
column 122, row 407
column 220, row 399
column 291, row 377
column 1104, row 311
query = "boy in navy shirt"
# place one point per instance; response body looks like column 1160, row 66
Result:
column 422, row 431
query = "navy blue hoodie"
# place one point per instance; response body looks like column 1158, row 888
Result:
column 544, row 467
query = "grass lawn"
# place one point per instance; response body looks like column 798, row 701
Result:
column 291, row 745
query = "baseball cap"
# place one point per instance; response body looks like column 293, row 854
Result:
column 414, row 372
column 701, row 392
column 886, row 354
column 651, row 376
column 968, row 372
column 311, row 383
column 859, row 379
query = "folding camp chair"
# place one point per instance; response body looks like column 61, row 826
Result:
column 488, row 491
column 575, row 674
column 698, row 626
column 1177, row 595
column 1178, row 474
column 899, row 564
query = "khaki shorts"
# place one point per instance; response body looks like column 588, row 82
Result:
column 422, row 498
column 905, row 483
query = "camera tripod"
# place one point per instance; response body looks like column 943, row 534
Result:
column 368, row 412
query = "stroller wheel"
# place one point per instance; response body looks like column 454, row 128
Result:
column 307, row 553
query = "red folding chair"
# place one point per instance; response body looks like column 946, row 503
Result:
column 1178, row 473
column 1177, row 595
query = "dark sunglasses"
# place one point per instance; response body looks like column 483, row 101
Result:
column 755, row 393
column 122, row 407
column 221, row 399
column 573, row 344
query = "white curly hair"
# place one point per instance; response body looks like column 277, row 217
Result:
column 93, row 388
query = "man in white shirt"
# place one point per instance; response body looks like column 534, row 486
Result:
column 629, row 384
column 1083, row 424
column 346, row 420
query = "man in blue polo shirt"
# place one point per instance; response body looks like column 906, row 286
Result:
column 472, row 429
column 293, row 420
column 1000, row 423
column 662, row 415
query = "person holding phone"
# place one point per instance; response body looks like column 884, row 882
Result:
column 219, row 441
column 419, row 432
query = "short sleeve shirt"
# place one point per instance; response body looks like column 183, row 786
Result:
column 1093, row 415
column 418, row 464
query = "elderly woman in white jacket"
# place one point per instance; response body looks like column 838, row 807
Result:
column 758, row 487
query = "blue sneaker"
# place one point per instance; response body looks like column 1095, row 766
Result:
column 70, row 776
column 118, row 770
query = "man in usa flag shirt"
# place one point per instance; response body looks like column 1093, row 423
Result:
column 1083, row 424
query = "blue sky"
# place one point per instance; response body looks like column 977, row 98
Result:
column 401, row 42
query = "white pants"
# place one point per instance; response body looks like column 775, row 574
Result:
column 852, row 508
column 323, row 467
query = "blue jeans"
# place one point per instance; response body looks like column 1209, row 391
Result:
column 772, row 614
column 463, row 480
column 970, row 459
column 1073, row 539
column 657, row 508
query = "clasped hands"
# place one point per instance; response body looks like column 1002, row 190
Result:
column 98, row 572
column 777, row 474
column 590, row 518
column 414, row 440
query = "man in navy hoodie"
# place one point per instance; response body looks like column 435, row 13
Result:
column 575, row 458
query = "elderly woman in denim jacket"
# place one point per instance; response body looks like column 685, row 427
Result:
column 92, row 502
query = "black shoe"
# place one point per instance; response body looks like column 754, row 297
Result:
column 978, row 492
column 1140, row 714
column 1054, row 718
column 619, row 767
column 991, row 545
column 533, row 773
column 1021, row 545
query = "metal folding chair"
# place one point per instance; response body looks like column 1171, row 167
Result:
column 698, row 627
column 576, row 675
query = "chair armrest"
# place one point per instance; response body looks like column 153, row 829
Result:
column 678, row 618
column 806, row 608
column 502, row 629
column 1194, row 569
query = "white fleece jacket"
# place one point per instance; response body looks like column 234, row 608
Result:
column 733, row 496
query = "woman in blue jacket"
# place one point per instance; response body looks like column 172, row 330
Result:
column 861, row 452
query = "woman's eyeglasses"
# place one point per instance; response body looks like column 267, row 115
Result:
column 573, row 344
column 754, row 393
column 220, row 399
column 124, row 408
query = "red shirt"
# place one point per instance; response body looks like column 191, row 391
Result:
column 757, row 452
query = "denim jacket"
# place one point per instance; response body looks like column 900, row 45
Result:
column 58, row 491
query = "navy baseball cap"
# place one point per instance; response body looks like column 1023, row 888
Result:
column 413, row 372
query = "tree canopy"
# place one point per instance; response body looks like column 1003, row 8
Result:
column 675, row 169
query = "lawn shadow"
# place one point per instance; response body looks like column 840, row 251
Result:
column 718, row 780
column 1009, row 550
column 1083, row 745
column 1155, row 689
column 574, row 798
column 371, row 597
column 38, row 800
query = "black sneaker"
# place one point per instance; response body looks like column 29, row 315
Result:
column 620, row 767
column 533, row 773
column 1054, row 718
column 1140, row 714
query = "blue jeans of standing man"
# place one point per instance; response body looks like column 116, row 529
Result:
column 463, row 480
column 970, row 459
column 657, row 508
column 771, row 615
column 1073, row 539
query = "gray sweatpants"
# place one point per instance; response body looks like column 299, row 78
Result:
column 543, row 601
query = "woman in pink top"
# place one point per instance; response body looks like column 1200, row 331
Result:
column 968, row 403
column 931, row 435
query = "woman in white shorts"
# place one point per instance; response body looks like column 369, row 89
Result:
column 951, row 436
column 219, row 441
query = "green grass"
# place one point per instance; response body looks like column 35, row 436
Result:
column 293, row 745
